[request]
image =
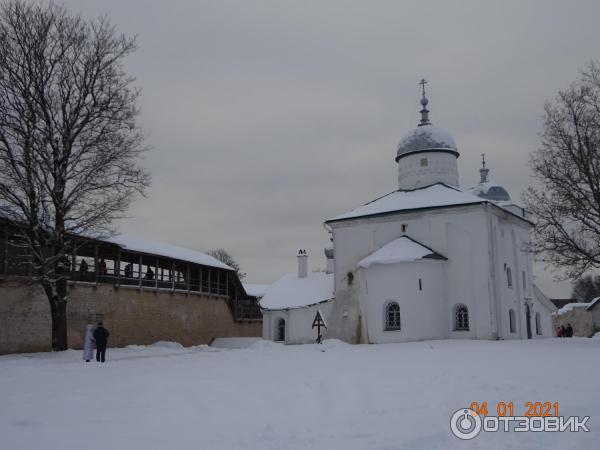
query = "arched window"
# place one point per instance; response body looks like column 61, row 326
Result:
column 509, row 277
column 280, row 332
column 538, row 324
column 392, row 316
column 511, row 320
column 461, row 318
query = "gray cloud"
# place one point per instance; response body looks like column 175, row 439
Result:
column 268, row 117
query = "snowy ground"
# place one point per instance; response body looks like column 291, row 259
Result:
column 268, row 396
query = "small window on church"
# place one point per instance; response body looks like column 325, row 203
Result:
column 403, row 227
column 420, row 284
column 424, row 162
column 538, row 324
column 511, row 321
column 524, row 279
column 509, row 277
column 392, row 316
column 461, row 318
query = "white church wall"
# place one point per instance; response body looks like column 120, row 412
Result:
column 467, row 278
column 509, row 236
column 418, row 288
column 458, row 233
column 546, row 328
column 270, row 318
column 298, row 323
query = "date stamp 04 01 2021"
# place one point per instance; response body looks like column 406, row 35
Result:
column 467, row 423
column 531, row 409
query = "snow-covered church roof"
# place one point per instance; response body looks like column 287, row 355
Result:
column 403, row 249
column 543, row 299
column 437, row 195
column 434, row 196
column 290, row 291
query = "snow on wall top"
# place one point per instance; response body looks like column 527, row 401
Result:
column 426, row 138
column 255, row 290
column 571, row 306
column 292, row 292
column 403, row 249
column 141, row 245
column 432, row 196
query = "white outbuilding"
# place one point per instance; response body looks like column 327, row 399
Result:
column 290, row 304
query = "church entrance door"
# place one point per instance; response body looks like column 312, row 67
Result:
column 280, row 330
column 528, row 320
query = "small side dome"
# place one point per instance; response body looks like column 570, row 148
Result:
column 488, row 189
column 426, row 138
column 491, row 191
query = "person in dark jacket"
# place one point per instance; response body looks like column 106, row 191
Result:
column 563, row 330
column 102, row 267
column 150, row 274
column 101, row 338
column 569, row 330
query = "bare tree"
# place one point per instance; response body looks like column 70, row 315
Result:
column 226, row 258
column 586, row 288
column 69, row 141
column 566, row 202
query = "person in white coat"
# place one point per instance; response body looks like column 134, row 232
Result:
column 88, row 343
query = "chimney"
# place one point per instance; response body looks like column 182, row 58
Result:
column 329, row 254
column 302, row 264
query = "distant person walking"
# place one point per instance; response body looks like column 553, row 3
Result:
column 558, row 331
column 88, row 343
column 563, row 331
column 569, row 330
column 101, row 337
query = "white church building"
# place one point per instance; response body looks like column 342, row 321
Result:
column 429, row 260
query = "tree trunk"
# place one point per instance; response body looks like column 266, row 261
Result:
column 59, row 325
column 57, row 297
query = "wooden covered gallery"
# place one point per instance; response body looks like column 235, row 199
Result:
column 123, row 276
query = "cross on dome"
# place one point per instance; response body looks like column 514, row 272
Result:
column 483, row 172
column 424, row 112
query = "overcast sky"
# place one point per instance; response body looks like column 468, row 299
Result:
column 266, row 118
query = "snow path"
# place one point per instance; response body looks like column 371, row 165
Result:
column 270, row 396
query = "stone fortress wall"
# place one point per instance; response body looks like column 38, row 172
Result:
column 132, row 315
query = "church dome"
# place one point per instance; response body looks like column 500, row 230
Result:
column 426, row 138
column 491, row 191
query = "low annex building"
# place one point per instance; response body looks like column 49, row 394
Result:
column 290, row 305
